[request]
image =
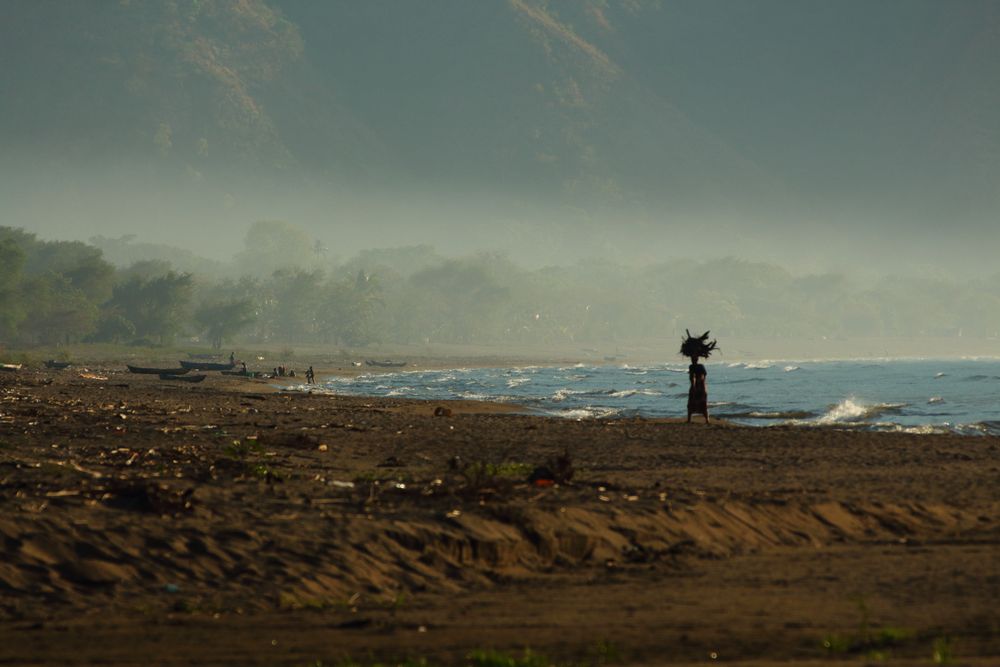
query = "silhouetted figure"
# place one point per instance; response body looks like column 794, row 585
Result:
column 698, row 392
column 244, row 368
column 695, row 348
column 232, row 358
column 310, row 375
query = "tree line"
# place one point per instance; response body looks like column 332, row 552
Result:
column 282, row 287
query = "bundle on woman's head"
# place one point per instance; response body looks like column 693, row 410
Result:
column 697, row 346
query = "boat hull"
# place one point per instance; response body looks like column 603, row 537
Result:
column 182, row 378
column 142, row 370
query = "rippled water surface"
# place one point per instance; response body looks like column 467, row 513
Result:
column 917, row 396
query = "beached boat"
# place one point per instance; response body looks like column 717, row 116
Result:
column 156, row 371
column 207, row 366
column 385, row 363
column 57, row 365
column 182, row 378
column 10, row 368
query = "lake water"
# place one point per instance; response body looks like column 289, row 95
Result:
column 922, row 396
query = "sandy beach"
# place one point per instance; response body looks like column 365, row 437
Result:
column 226, row 523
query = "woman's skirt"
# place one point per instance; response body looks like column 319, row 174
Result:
column 697, row 401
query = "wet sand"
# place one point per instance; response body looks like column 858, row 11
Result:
column 226, row 523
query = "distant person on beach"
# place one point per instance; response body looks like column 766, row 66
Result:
column 232, row 358
column 698, row 392
column 696, row 347
column 310, row 375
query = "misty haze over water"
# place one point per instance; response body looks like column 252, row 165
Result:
column 502, row 172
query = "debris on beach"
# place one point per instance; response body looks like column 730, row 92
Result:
column 541, row 476
column 391, row 462
column 204, row 508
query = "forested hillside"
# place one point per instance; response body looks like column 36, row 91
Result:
column 281, row 288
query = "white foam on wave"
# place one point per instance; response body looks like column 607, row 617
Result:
column 345, row 379
column 845, row 411
column 625, row 393
column 922, row 429
column 935, row 399
column 584, row 413
column 851, row 410
column 758, row 366
column 792, row 416
column 563, row 394
column 517, row 382
column 789, row 369
column 969, row 429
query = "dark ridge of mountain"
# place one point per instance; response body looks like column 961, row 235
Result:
column 707, row 105
column 500, row 95
column 92, row 79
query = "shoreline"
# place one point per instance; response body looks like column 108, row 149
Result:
column 645, row 351
column 815, row 418
column 249, row 527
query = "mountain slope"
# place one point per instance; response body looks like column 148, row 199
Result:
column 613, row 109
column 490, row 95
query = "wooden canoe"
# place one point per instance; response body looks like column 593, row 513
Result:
column 182, row 378
column 156, row 371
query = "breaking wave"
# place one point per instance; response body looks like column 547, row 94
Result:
column 625, row 393
column 850, row 410
column 770, row 415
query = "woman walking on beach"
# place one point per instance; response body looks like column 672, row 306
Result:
column 695, row 348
